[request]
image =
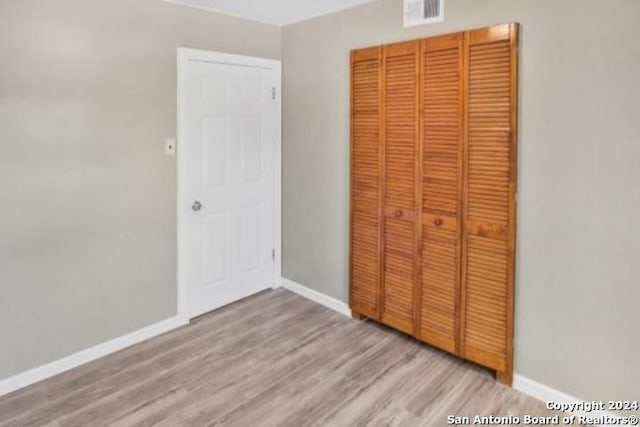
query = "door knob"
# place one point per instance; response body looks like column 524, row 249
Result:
column 438, row 222
column 399, row 213
column 196, row 206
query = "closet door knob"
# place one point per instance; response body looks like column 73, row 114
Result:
column 438, row 222
column 399, row 213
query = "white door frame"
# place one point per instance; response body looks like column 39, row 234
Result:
column 184, row 56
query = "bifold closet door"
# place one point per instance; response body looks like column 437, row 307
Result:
column 400, row 183
column 366, row 177
column 442, row 138
column 433, row 182
column 489, row 198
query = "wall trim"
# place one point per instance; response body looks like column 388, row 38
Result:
column 545, row 393
column 82, row 357
column 520, row 382
column 277, row 283
column 318, row 297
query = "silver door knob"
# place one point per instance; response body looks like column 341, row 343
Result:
column 196, row 206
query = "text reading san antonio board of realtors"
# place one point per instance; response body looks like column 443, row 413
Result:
column 530, row 420
column 586, row 415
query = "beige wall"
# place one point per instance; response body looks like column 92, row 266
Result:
column 578, row 285
column 88, row 199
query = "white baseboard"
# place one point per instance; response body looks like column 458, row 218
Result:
column 520, row 382
column 32, row 376
column 547, row 394
column 315, row 296
column 43, row 372
column 275, row 284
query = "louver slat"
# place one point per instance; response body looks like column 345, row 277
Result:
column 489, row 199
column 442, row 104
column 401, row 63
column 365, row 181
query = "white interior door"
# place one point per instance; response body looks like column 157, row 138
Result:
column 229, row 128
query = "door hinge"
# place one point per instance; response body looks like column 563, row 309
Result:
column 273, row 93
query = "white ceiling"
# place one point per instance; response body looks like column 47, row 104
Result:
column 276, row 12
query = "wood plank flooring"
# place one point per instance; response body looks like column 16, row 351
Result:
column 275, row 359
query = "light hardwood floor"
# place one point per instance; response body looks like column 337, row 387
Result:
column 274, row 359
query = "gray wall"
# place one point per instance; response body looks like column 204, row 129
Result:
column 88, row 224
column 578, row 236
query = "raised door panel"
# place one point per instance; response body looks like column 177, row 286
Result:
column 366, row 153
column 400, row 100
column 490, row 185
column 442, row 137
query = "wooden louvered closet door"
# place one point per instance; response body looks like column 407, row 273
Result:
column 366, row 177
column 490, row 185
column 433, row 182
column 442, row 108
column 400, row 166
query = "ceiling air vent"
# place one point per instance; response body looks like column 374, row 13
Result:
column 417, row 12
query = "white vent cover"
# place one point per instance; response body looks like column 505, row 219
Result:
column 417, row 12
